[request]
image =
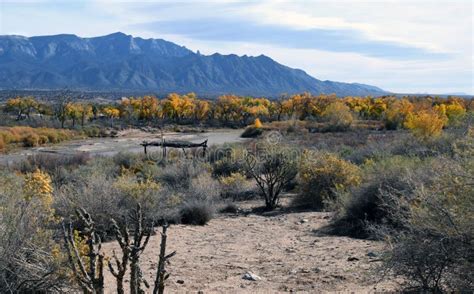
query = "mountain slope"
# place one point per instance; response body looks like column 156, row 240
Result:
column 123, row 62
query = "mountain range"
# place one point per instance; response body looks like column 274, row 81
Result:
column 123, row 62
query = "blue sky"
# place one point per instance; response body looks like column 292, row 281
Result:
column 401, row 46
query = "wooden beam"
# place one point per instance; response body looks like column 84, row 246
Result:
column 174, row 144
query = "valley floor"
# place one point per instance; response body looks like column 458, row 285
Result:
column 283, row 249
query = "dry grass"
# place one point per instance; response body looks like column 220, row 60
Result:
column 32, row 137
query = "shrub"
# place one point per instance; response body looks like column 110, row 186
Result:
column 369, row 205
column 338, row 117
column 251, row 132
column 2, row 144
column 30, row 261
column 321, row 175
column 32, row 137
column 235, row 186
column 426, row 123
column 272, row 169
column 229, row 208
column 52, row 162
column 225, row 167
column 31, row 140
column 203, row 188
column 433, row 251
column 196, row 213
column 228, row 162
column 179, row 175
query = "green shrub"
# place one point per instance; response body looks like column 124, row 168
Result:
column 321, row 175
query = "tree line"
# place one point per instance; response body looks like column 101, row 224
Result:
column 238, row 110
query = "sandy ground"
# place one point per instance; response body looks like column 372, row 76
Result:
column 284, row 250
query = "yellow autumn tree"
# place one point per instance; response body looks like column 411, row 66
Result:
column 338, row 116
column 397, row 112
column 426, row 124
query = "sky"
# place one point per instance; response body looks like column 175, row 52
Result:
column 416, row 46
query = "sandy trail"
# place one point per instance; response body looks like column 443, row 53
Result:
column 283, row 250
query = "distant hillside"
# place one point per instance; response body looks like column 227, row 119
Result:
column 122, row 62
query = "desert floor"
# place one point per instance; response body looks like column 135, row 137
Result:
column 283, row 248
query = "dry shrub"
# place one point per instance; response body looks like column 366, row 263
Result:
column 196, row 213
column 30, row 259
column 179, row 175
column 52, row 162
column 229, row 208
column 32, row 137
column 252, row 132
column 31, row 140
column 369, row 204
column 433, row 252
column 236, row 187
column 229, row 161
column 2, row 144
column 320, row 175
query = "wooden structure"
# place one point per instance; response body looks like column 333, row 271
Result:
column 174, row 144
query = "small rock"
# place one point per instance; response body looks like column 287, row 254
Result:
column 316, row 270
column 372, row 254
column 293, row 272
column 180, row 282
column 352, row 258
column 305, row 271
column 251, row 277
column 200, row 292
column 303, row 221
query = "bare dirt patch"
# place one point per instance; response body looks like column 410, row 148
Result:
column 284, row 250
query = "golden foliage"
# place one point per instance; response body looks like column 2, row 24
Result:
column 338, row 115
column 425, row 124
column 30, row 137
column 257, row 123
column 320, row 174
